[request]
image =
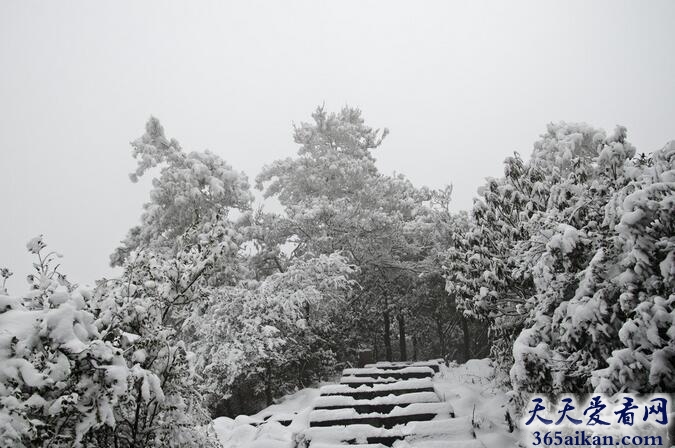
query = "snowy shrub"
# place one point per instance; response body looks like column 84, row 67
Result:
column 106, row 367
column 643, row 216
column 161, row 305
column 571, row 253
column 605, row 301
column 481, row 271
column 143, row 312
column 60, row 379
column 270, row 331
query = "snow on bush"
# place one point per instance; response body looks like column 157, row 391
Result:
column 93, row 368
column 59, row 378
column 270, row 331
column 571, row 259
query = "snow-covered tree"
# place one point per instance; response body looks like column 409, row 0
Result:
column 566, row 252
column 271, row 330
column 574, row 314
column 91, row 368
column 437, row 316
column 145, row 312
column 191, row 188
column 480, row 265
column 642, row 216
column 59, row 379
column 335, row 200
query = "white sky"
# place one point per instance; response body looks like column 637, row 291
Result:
column 460, row 85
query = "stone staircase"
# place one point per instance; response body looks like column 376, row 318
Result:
column 387, row 404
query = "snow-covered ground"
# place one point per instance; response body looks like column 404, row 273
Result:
column 472, row 384
column 245, row 432
column 469, row 388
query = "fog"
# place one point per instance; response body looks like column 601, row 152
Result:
column 461, row 85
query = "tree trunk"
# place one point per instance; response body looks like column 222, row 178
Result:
column 401, row 338
column 301, row 372
column 414, row 341
column 441, row 338
column 269, row 398
column 307, row 310
column 467, row 338
column 387, row 334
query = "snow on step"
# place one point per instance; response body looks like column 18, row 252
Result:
column 377, row 389
column 375, row 370
column 365, row 380
column 283, row 418
column 383, row 405
column 384, row 376
column 413, row 408
column 403, row 373
column 434, row 364
column 387, row 404
column 343, row 401
column 453, row 428
column 396, row 416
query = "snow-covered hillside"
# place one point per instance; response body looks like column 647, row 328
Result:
column 467, row 392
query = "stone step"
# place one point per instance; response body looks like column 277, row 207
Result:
column 451, row 429
column 370, row 394
column 382, row 405
column 368, row 391
column 356, row 381
column 382, row 421
column 403, row 373
column 392, row 374
column 367, row 408
column 398, row 415
column 374, row 370
column 387, row 365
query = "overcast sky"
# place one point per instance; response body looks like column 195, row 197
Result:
column 460, row 85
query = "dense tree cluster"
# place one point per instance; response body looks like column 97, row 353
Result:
column 569, row 257
column 563, row 271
